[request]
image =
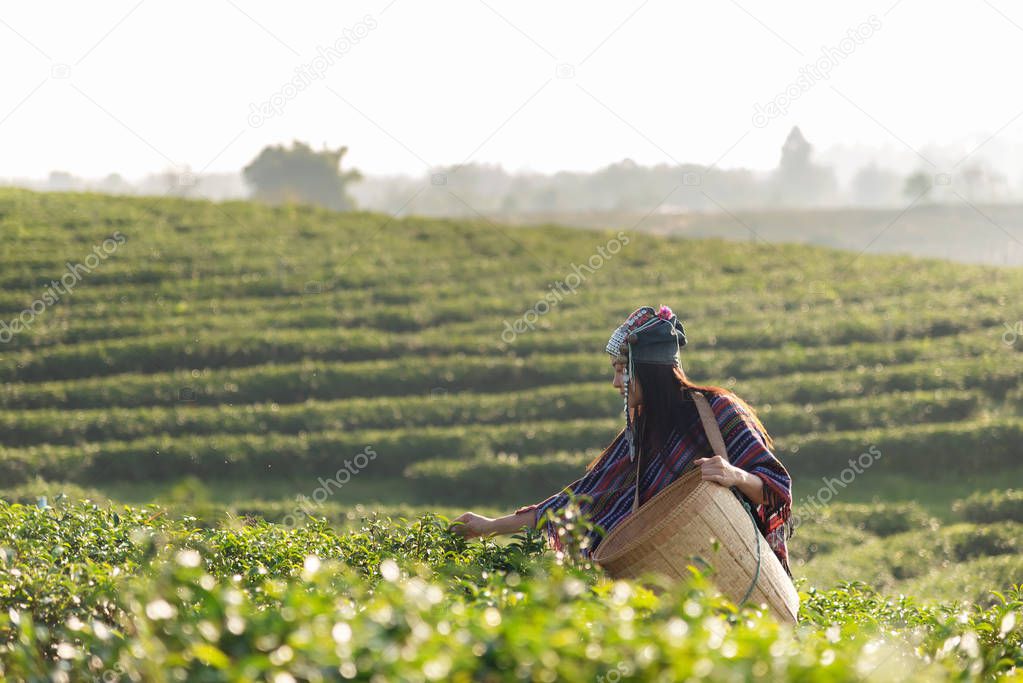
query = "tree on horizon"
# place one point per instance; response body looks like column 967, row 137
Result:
column 301, row 174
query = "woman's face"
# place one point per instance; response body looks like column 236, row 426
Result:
column 635, row 394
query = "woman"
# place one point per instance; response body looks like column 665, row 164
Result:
column 664, row 430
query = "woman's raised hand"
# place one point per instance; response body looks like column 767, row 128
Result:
column 719, row 470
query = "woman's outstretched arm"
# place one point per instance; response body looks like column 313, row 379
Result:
column 473, row 525
column 602, row 475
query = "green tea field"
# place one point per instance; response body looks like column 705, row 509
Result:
column 273, row 410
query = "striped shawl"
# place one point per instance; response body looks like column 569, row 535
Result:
column 611, row 481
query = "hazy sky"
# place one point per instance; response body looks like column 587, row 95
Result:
column 137, row 87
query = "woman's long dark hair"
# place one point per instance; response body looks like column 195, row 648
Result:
column 666, row 406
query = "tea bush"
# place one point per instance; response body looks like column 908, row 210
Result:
column 992, row 506
column 138, row 597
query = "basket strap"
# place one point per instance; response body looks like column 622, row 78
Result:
column 635, row 500
column 710, row 425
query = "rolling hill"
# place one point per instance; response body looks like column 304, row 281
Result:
column 234, row 355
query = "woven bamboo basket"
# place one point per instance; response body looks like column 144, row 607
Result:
column 677, row 527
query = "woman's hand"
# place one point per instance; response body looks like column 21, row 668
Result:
column 719, row 470
column 472, row 525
